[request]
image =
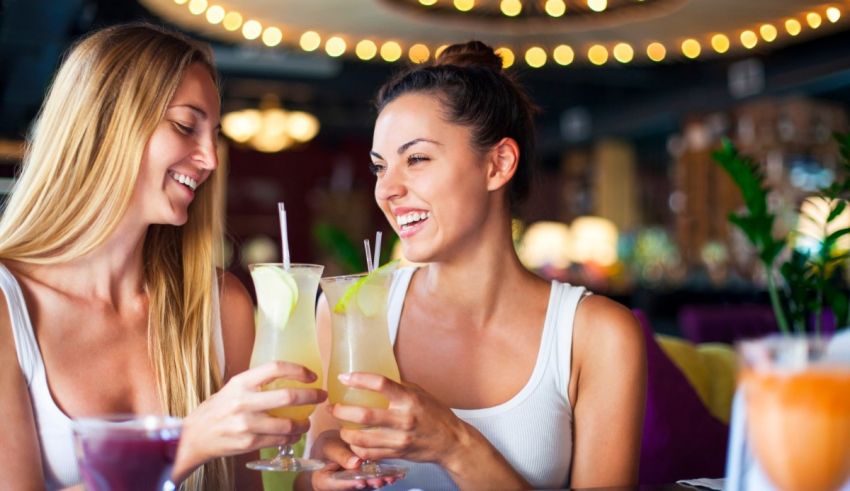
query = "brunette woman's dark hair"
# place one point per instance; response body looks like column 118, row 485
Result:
column 476, row 92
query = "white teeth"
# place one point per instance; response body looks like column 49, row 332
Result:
column 185, row 180
column 412, row 217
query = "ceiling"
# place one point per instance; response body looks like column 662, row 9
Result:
column 637, row 100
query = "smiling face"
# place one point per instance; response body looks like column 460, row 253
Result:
column 181, row 153
column 432, row 183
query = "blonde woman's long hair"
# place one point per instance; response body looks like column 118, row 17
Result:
column 79, row 170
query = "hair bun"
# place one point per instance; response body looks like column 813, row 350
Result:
column 470, row 54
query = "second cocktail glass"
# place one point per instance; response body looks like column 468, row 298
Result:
column 286, row 331
column 361, row 343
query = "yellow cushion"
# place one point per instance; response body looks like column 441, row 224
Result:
column 710, row 369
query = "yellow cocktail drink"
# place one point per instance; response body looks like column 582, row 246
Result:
column 286, row 325
column 361, row 340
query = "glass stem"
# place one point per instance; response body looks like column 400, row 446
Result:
column 371, row 467
column 285, row 453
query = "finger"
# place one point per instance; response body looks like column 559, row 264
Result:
column 324, row 480
column 373, row 382
column 396, row 419
column 370, row 453
column 377, row 438
column 338, row 452
column 276, row 398
column 263, row 424
column 268, row 372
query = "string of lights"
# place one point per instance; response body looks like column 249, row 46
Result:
column 338, row 44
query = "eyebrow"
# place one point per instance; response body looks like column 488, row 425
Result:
column 200, row 112
column 405, row 146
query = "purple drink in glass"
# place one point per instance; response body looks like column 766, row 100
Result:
column 126, row 452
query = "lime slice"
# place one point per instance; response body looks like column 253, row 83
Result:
column 368, row 292
column 277, row 294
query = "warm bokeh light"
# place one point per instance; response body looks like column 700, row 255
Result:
column 366, row 49
column 180, row 2
column 427, row 3
column 720, row 43
column 656, row 51
column 535, row 57
column 507, row 56
column 232, row 21
column 594, row 239
column 546, row 245
column 555, row 8
column 335, row 46
column 310, row 41
column 197, row 7
column 272, row 37
column 242, row 125
column 833, row 14
column 215, row 14
column 464, row 5
column 623, row 52
column 691, row 48
column 768, row 32
column 563, row 55
column 418, row 53
column 390, row 51
column 597, row 54
column 439, row 50
column 749, row 39
column 812, row 18
column 597, row 5
column 511, row 8
column 252, row 30
column 793, row 26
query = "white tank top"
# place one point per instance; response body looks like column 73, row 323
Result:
column 533, row 429
column 58, row 462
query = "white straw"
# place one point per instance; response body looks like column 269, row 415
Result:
column 376, row 262
column 369, row 264
column 284, row 238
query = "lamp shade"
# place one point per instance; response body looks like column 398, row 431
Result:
column 546, row 244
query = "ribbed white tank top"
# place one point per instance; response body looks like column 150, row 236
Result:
column 533, row 429
column 54, row 426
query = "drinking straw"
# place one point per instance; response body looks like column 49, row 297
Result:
column 284, row 238
column 369, row 265
column 376, row 261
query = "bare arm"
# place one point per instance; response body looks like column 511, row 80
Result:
column 609, row 368
column 237, row 330
column 20, row 458
column 235, row 420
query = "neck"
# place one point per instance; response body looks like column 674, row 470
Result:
column 111, row 272
column 481, row 278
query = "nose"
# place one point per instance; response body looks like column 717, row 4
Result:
column 390, row 184
column 206, row 154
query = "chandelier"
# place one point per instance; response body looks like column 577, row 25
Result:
column 269, row 128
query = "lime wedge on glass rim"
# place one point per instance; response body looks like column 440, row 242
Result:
column 367, row 293
column 277, row 294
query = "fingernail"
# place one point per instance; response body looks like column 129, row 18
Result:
column 360, row 485
column 344, row 377
column 353, row 462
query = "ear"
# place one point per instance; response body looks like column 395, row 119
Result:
column 502, row 163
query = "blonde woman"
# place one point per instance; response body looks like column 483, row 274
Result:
column 110, row 300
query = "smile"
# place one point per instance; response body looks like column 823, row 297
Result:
column 409, row 220
column 184, row 179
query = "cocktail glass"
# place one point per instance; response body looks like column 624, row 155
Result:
column 361, row 343
column 286, row 331
column 126, row 452
column 797, row 398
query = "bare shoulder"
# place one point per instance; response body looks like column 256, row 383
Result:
column 604, row 329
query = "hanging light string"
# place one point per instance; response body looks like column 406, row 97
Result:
column 337, row 44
